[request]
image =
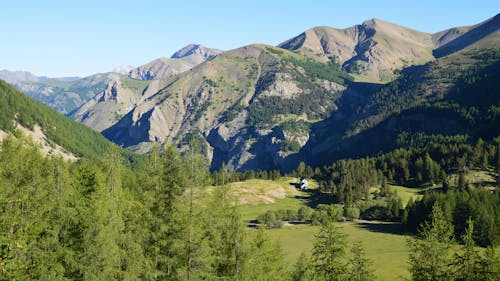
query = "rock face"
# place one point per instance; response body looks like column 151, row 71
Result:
column 214, row 101
column 111, row 104
column 182, row 60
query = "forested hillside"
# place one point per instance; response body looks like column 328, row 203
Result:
column 99, row 220
column 18, row 109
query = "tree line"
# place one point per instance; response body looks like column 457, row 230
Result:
column 100, row 220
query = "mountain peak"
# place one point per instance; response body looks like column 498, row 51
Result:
column 122, row 69
column 17, row 76
column 192, row 49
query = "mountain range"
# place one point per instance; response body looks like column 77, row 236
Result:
column 323, row 95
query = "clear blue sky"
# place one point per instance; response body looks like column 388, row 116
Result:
column 77, row 37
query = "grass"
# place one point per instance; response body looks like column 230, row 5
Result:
column 383, row 243
column 405, row 193
column 258, row 196
column 387, row 249
column 136, row 86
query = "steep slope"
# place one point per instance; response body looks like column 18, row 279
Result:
column 20, row 112
column 182, row 60
column 455, row 95
column 372, row 51
column 108, row 106
column 245, row 106
column 471, row 36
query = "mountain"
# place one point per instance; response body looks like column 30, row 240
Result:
column 469, row 36
column 262, row 107
column 455, row 95
column 13, row 77
column 122, row 69
column 224, row 104
column 56, row 133
column 120, row 94
column 372, row 51
column 323, row 95
column 63, row 94
column 182, row 60
column 111, row 104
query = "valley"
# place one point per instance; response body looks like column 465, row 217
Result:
column 370, row 152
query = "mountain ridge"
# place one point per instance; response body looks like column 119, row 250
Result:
column 182, row 60
column 323, row 92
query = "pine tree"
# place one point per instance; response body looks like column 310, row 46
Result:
column 360, row 268
column 301, row 169
column 165, row 184
column 265, row 259
column 468, row 262
column 490, row 265
column 444, row 181
column 196, row 177
column 384, row 188
column 103, row 252
column 462, row 184
column 429, row 256
column 302, row 270
column 328, row 253
column 227, row 235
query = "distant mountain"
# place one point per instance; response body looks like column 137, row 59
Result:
column 108, row 106
column 13, row 77
column 249, row 107
column 182, row 60
column 122, row 69
column 468, row 36
column 323, row 95
column 63, row 94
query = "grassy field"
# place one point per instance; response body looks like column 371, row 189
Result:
column 384, row 245
column 382, row 242
column 258, row 196
column 386, row 248
column 405, row 193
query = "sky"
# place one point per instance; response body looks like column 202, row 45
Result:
column 82, row 37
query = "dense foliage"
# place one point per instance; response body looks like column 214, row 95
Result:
column 98, row 220
column 74, row 137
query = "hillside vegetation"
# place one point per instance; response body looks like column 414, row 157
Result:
column 73, row 137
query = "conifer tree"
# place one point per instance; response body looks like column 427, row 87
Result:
column 444, row 181
column 328, row 253
column 227, row 235
column 468, row 262
column 164, row 184
column 360, row 268
column 302, row 270
column 103, row 252
column 429, row 256
column 264, row 259
column 196, row 170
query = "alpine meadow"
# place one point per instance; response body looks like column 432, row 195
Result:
column 370, row 152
